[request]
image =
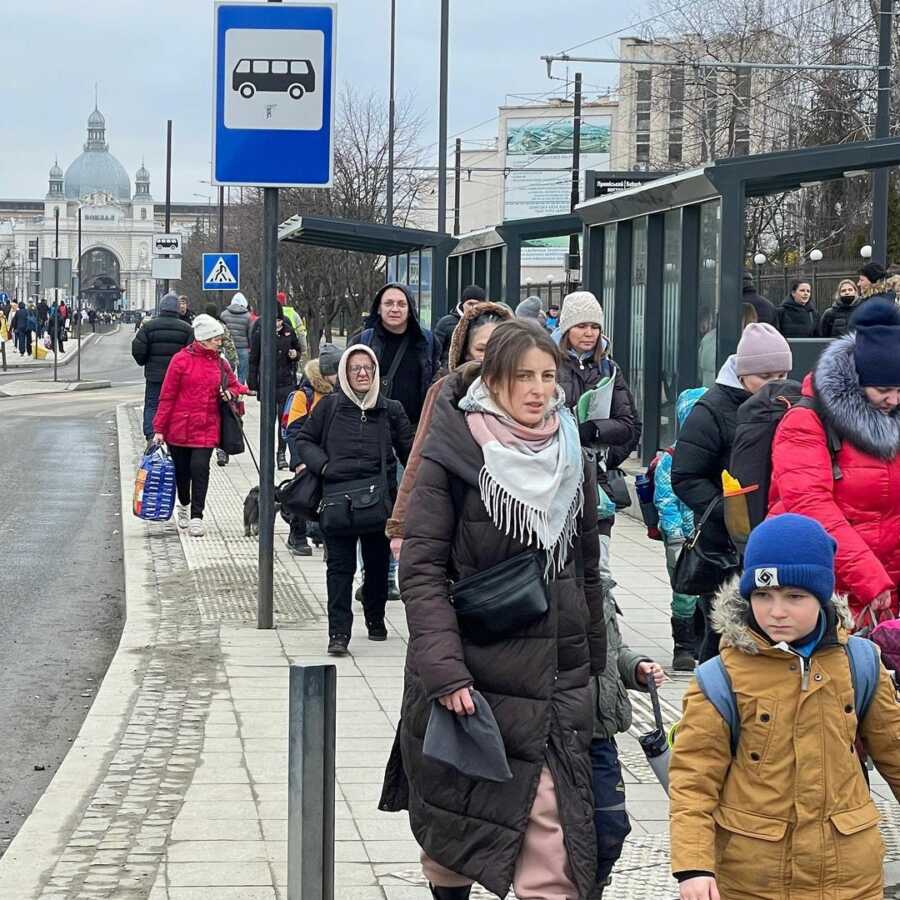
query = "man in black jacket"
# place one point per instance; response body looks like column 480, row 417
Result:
column 765, row 309
column 446, row 325
column 153, row 348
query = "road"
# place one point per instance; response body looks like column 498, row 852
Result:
column 62, row 581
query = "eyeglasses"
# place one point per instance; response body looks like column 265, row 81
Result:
column 358, row 370
column 394, row 304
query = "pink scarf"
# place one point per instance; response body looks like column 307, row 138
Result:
column 485, row 427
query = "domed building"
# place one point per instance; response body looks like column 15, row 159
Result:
column 117, row 228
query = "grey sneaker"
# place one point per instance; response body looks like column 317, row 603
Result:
column 197, row 528
column 182, row 515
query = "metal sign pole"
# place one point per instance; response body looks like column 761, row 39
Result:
column 80, row 303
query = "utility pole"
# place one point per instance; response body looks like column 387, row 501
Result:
column 881, row 176
column 389, row 217
column 456, row 185
column 168, row 194
column 442, row 119
column 56, row 323
column 221, row 233
column 79, row 304
column 573, row 263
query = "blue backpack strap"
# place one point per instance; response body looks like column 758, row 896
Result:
column 865, row 671
column 715, row 682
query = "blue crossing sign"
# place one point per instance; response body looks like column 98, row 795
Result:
column 273, row 94
column 221, row 271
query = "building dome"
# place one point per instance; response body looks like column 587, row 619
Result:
column 97, row 169
column 142, row 174
column 56, row 171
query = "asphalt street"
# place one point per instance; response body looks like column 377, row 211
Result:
column 62, row 592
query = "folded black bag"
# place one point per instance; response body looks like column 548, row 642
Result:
column 501, row 601
column 699, row 570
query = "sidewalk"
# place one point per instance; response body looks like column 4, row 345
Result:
column 176, row 786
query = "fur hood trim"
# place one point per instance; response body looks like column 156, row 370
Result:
column 315, row 377
column 843, row 404
column 455, row 356
column 887, row 286
column 731, row 611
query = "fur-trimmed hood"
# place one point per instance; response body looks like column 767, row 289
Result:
column 317, row 380
column 456, row 356
column 886, row 287
column 843, row 404
column 731, row 612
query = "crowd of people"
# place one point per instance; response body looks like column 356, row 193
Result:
column 485, row 458
column 35, row 326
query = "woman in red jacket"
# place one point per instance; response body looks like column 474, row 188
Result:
column 840, row 462
column 188, row 418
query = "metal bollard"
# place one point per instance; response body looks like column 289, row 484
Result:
column 311, row 749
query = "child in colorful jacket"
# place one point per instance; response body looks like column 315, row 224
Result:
column 676, row 522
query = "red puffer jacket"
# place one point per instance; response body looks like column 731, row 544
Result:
column 188, row 411
column 860, row 510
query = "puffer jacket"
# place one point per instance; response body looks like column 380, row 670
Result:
column 835, row 321
column 188, row 412
column 285, row 367
column 237, row 320
column 790, row 816
column 621, row 432
column 798, row 320
column 860, row 510
column 613, row 712
column 703, row 450
column 537, row 682
column 157, row 341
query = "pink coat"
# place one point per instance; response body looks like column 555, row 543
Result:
column 188, row 411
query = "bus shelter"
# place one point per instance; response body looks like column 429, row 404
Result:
column 667, row 260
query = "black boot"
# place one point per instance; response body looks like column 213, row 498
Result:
column 683, row 637
column 282, row 460
column 445, row 893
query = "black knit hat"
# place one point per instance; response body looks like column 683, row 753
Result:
column 873, row 271
column 473, row 292
column 877, row 350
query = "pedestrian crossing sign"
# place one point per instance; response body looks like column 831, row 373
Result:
column 221, row 271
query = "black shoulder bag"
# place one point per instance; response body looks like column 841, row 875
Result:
column 231, row 430
column 699, row 570
column 387, row 381
column 360, row 506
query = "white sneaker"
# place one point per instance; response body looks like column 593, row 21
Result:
column 182, row 515
column 197, row 529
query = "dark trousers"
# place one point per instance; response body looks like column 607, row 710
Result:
column 151, row 402
column 610, row 818
column 709, row 644
column 192, row 476
column 341, row 568
column 23, row 342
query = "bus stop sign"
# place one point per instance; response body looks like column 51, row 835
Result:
column 273, row 97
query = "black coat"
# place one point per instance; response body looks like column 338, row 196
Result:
column 798, row 320
column 537, row 682
column 702, row 451
column 285, row 367
column 157, row 342
column 350, row 448
column 835, row 321
column 443, row 332
column 621, row 432
column 765, row 309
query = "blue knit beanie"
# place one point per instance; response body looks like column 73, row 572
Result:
column 790, row 551
column 877, row 349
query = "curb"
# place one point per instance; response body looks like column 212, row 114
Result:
column 68, row 388
column 28, row 862
column 70, row 357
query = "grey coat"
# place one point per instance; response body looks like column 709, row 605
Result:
column 612, row 714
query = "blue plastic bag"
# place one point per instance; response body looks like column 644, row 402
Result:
column 154, row 486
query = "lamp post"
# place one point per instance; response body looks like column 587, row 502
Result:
column 815, row 257
column 550, row 289
column 759, row 260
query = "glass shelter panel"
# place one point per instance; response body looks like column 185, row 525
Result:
column 608, row 300
column 671, row 312
column 708, row 300
column 638, row 302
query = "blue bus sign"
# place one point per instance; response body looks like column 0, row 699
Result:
column 273, row 97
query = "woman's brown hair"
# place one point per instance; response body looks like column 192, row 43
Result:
column 508, row 344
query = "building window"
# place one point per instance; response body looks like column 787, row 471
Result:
column 143, row 213
column 642, row 118
column 676, row 115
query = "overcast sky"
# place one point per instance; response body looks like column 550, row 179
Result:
column 153, row 61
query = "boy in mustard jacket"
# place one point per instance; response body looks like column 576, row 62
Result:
column 789, row 815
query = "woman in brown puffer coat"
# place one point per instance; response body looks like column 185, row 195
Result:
column 503, row 449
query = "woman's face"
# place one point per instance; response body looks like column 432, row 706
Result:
column 526, row 397
column 755, row 383
column 213, row 343
column 847, row 290
column 802, row 293
column 360, row 372
column 885, row 399
column 584, row 337
column 863, row 282
column 478, row 341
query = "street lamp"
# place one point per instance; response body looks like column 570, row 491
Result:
column 815, row 257
column 759, row 260
column 866, row 251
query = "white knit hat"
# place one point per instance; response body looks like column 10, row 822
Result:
column 206, row 327
column 579, row 308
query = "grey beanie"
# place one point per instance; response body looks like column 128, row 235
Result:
column 580, row 308
column 169, row 303
column 530, row 308
column 329, row 359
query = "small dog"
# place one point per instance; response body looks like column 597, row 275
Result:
column 251, row 512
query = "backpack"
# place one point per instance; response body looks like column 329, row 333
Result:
column 758, row 418
column 309, row 393
column 865, row 671
column 645, row 486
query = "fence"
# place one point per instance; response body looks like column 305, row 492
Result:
column 824, row 278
